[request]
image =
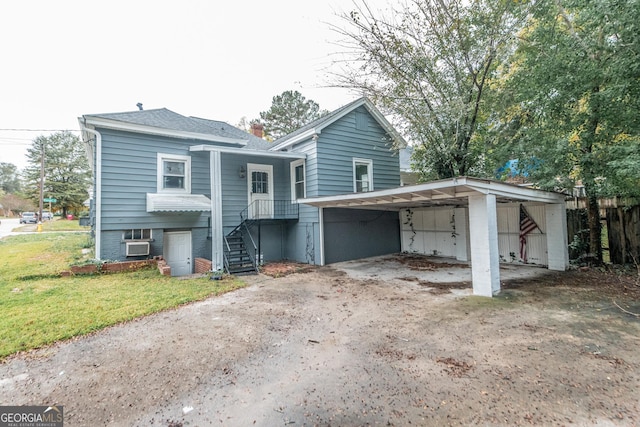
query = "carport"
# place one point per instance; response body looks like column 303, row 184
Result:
column 476, row 203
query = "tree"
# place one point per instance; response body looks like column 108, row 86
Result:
column 9, row 178
column 244, row 124
column 13, row 203
column 573, row 90
column 66, row 170
column 289, row 111
column 428, row 65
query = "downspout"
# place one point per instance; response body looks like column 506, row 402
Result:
column 98, row 190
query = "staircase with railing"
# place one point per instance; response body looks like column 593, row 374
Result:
column 241, row 253
column 239, row 257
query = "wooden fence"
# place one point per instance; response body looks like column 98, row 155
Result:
column 578, row 233
column 622, row 238
column 623, row 226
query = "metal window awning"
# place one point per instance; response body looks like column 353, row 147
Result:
column 447, row 192
column 166, row 202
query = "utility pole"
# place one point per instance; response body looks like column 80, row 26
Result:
column 41, row 183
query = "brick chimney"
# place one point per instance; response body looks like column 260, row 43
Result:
column 257, row 129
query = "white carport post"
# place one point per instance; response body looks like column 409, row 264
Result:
column 483, row 236
column 557, row 243
column 217, row 257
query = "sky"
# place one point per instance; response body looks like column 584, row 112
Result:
column 206, row 58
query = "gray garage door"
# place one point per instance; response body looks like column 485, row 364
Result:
column 359, row 233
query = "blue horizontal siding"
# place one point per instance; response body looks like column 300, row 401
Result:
column 235, row 190
column 129, row 172
column 341, row 142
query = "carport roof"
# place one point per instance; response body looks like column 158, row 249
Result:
column 447, row 192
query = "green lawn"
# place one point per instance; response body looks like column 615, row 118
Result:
column 56, row 224
column 38, row 307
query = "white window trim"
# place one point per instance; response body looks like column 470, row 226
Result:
column 293, row 167
column 369, row 164
column 187, row 173
column 141, row 239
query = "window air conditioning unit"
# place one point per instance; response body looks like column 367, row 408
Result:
column 137, row 248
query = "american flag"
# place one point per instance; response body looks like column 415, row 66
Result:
column 527, row 225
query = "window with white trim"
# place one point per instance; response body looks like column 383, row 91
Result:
column 174, row 173
column 137, row 234
column 362, row 175
column 298, row 184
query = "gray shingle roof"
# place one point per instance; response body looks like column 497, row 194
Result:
column 253, row 142
column 163, row 118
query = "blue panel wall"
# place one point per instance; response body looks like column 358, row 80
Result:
column 360, row 233
column 129, row 172
column 339, row 143
column 329, row 171
column 235, row 190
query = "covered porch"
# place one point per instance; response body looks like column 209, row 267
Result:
column 247, row 187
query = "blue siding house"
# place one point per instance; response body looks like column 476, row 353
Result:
column 185, row 188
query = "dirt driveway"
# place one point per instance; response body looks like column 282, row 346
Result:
column 326, row 348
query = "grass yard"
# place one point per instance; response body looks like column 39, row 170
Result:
column 59, row 224
column 56, row 224
column 38, row 307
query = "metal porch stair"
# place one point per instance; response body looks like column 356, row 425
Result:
column 237, row 257
column 241, row 254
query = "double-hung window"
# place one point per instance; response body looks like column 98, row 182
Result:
column 362, row 175
column 298, row 190
column 174, row 173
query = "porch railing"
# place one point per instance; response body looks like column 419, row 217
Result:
column 270, row 209
column 243, row 244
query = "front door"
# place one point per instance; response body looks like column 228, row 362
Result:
column 260, row 181
column 177, row 252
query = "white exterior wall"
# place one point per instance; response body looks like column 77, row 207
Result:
column 509, row 234
column 462, row 234
column 431, row 231
column 557, row 242
column 445, row 232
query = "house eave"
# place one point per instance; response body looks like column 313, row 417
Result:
column 98, row 122
column 454, row 191
column 296, row 139
column 247, row 152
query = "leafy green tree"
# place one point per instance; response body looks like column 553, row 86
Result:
column 428, row 63
column 9, row 178
column 66, row 170
column 288, row 112
column 572, row 92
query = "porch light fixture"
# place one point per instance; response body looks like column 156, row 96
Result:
column 242, row 172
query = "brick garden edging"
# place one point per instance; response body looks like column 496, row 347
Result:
column 202, row 266
column 117, row 267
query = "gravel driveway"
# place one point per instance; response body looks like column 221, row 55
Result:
column 323, row 348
